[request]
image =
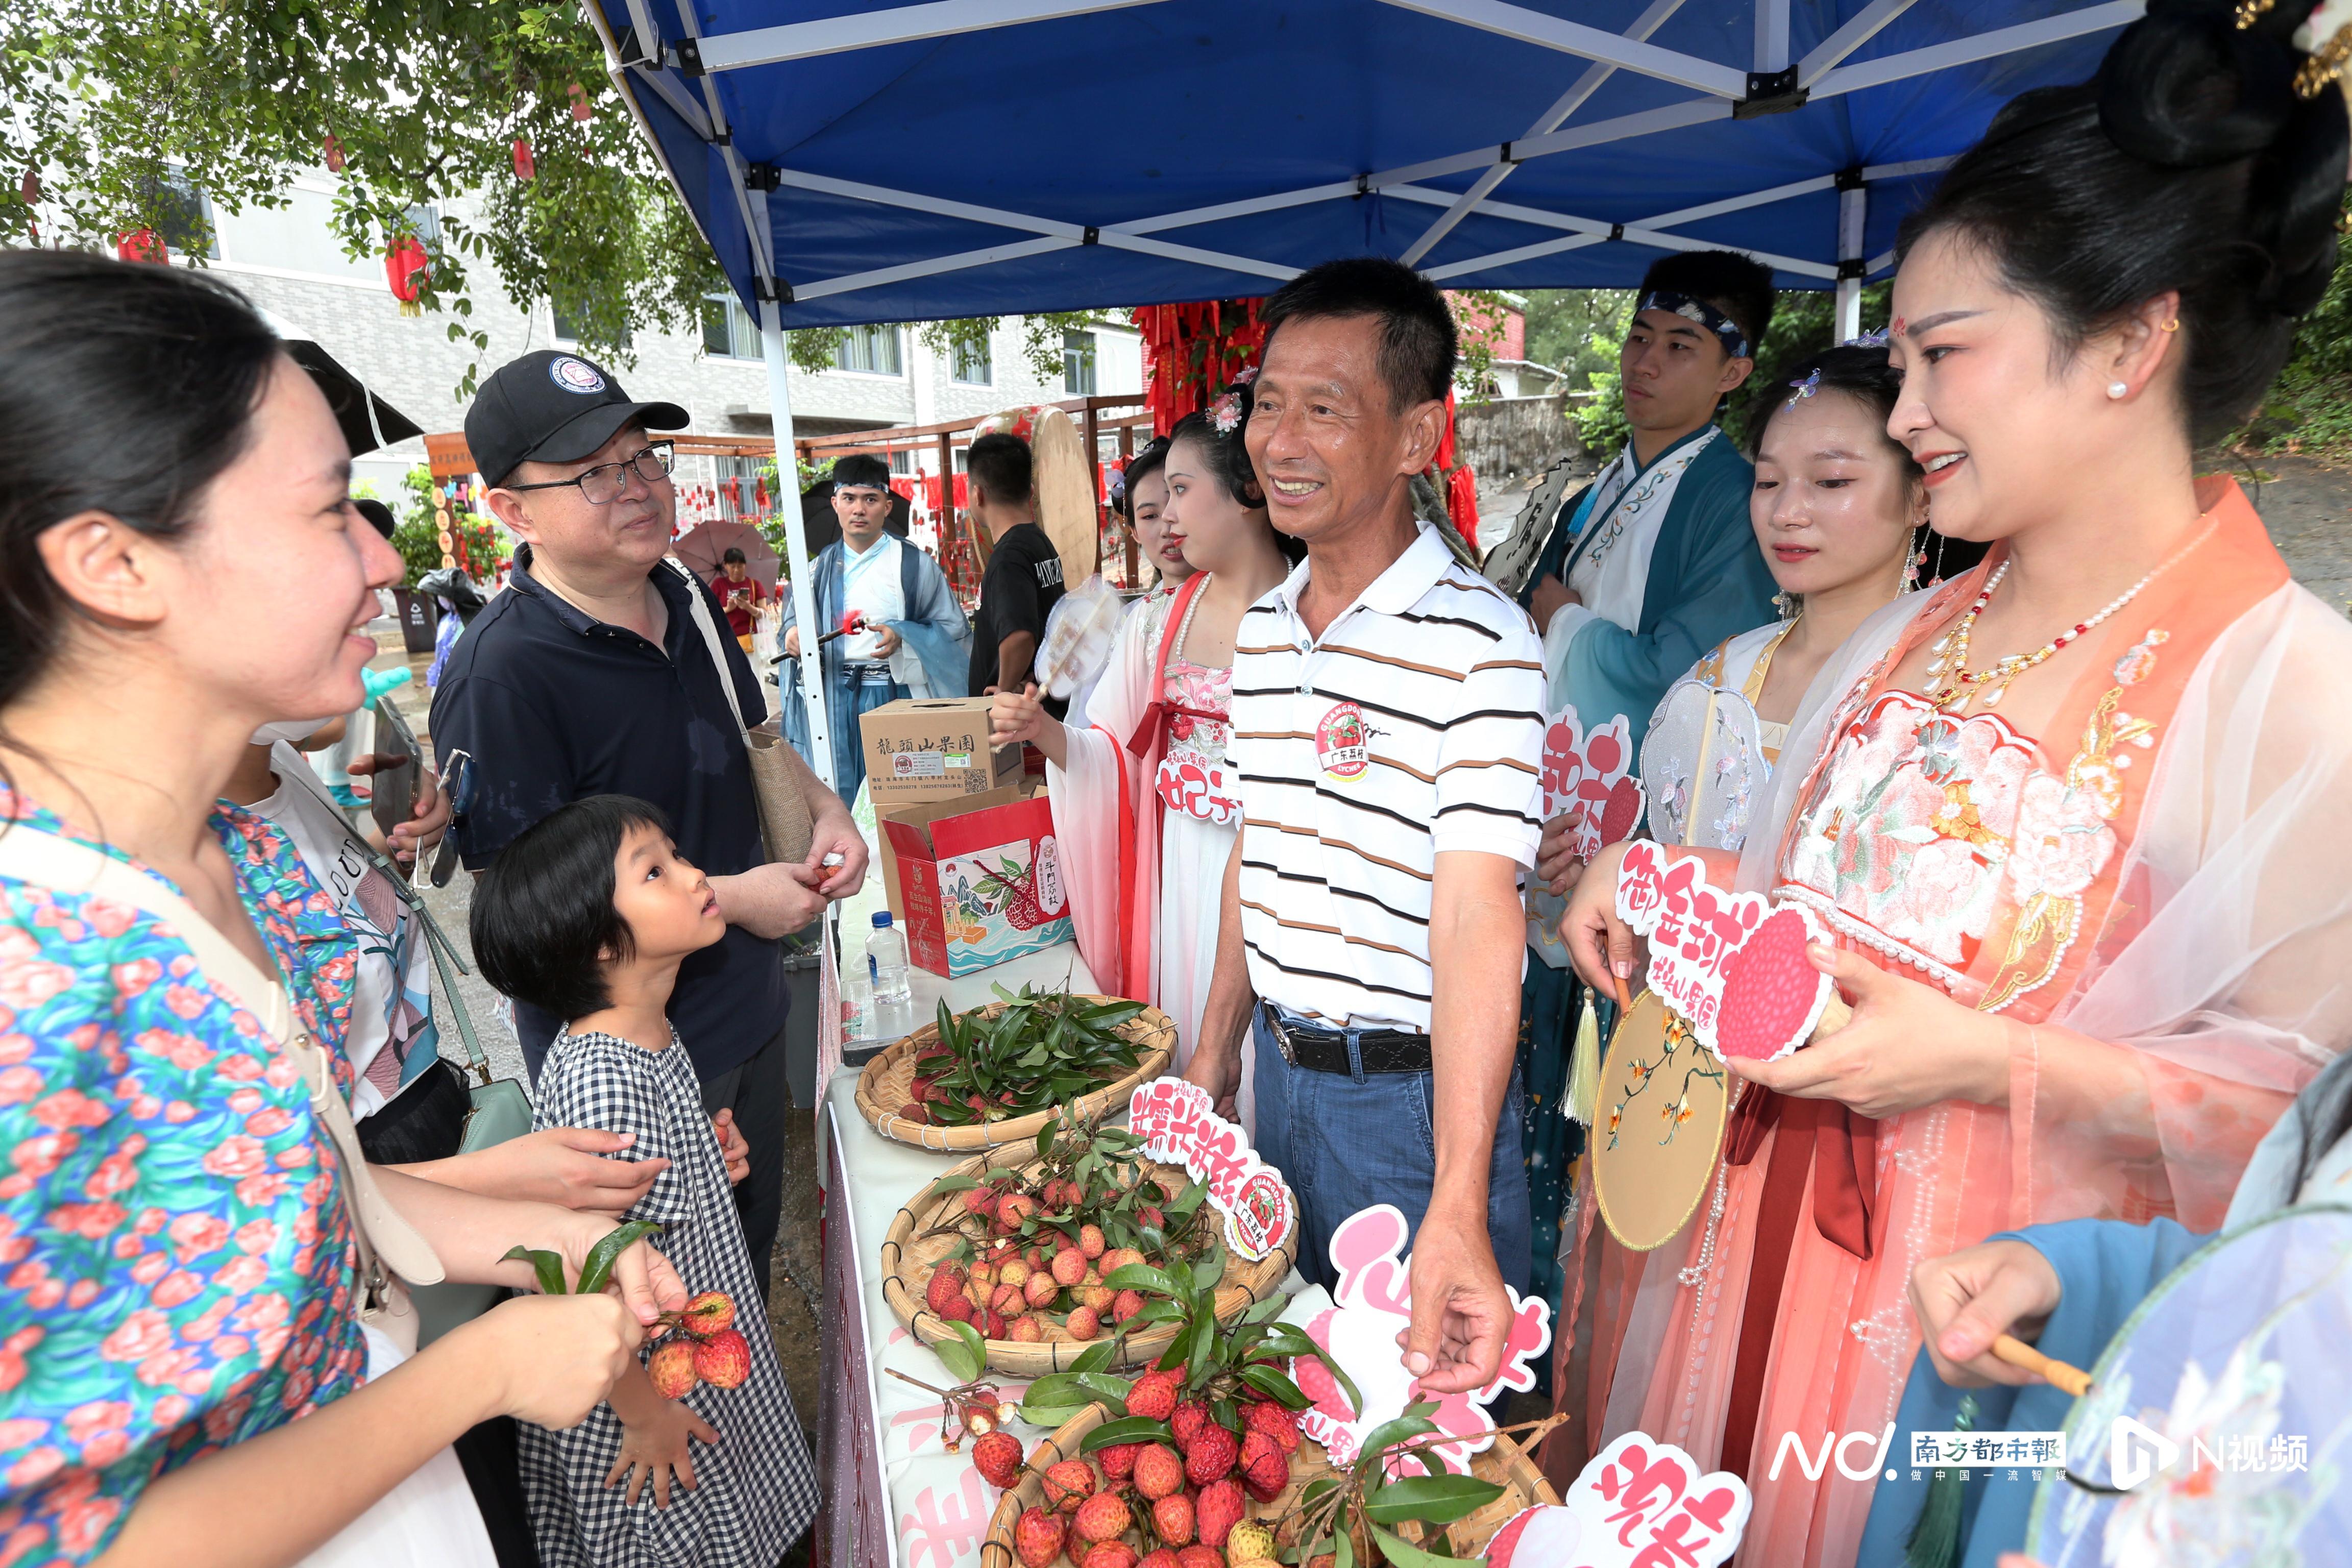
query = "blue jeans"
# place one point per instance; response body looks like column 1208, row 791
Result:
column 1345, row 1144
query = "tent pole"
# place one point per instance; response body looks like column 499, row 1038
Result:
column 1853, row 210
column 780, row 401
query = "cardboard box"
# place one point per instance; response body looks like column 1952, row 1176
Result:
column 973, row 883
column 933, row 749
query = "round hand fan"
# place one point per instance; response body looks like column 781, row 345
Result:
column 2216, row 1427
column 1657, row 1123
column 1702, row 763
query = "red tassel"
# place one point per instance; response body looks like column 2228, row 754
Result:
column 334, row 153
column 1461, row 504
column 1445, row 442
column 525, row 166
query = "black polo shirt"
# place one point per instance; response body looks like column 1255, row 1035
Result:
column 556, row 706
column 1022, row 585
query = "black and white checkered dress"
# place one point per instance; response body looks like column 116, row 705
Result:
column 756, row 1490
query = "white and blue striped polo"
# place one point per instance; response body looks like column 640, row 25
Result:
column 1414, row 726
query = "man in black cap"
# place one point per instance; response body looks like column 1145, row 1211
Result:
column 594, row 675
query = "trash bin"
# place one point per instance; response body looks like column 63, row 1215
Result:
column 800, row 1024
column 419, row 619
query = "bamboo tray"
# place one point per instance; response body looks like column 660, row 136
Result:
column 1505, row 1463
column 884, row 1085
column 909, row 1257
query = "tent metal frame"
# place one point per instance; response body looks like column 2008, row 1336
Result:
column 682, row 75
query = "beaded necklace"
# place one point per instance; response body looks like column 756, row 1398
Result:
column 1951, row 665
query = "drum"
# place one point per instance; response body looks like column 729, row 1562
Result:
column 1657, row 1125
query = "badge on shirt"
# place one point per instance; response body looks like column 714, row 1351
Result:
column 1339, row 744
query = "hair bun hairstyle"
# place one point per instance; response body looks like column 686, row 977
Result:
column 2186, row 87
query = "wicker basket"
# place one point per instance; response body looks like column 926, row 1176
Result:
column 884, row 1086
column 909, row 1257
column 1506, row 1463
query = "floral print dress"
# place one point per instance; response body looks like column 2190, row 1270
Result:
column 175, row 1271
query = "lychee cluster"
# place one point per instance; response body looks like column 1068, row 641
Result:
column 708, row 1348
column 1010, row 1291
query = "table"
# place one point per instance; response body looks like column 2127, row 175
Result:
column 895, row 1498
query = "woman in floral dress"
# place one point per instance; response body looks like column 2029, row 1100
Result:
column 1141, row 799
column 193, row 1369
column 2075, row 820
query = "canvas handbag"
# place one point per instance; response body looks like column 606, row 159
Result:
column 777, row 771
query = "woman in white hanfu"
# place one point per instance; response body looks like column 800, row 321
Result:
column 1142, row 801
column 1837, row 507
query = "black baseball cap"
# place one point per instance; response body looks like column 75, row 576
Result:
column 553, row 407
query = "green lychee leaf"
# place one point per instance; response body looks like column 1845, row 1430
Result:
column 548, row 1266
column 1430, row 1500
column 1128, row 1430
column 1142, row 1276
column 1276, row 1387
column 1096, row 1357
column 966, row 1355
column 1402, row 1554
column 597, row 1272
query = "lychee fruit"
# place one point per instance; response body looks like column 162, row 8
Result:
column 724, row 1360
column 1248, row 1542
column 1266, row 1469
column 910, row 1111
column 983, row 1273
column 1037, row 1538
column 1210, row 1457
column 1068, row 1484
column 992, row 1324
column 1275, row 1422
column 997, row 1457
column 707, row 1313
column 1024, row 1330
column 1159, row 1473
column 1153, row 1396
column 1198, row 1556
column 1117, row 1460
column 946, row 1284
column 977, row 1293
column 1125, row 1305
column 1012, row 1271
column 980, row 1200
column 1162, row 1558
column 1014, row 1207
column 1102, row 1517
column 1098, row 1297
column 1090, row 1240
column 1039, row 1289
column 1084, row 1323
column 1216, row 1511
column 671, row 1368
column 1117, row 1259
column 1110, row 1554
column 1188, row 1420
column 1069, row 1266
column 1171, row 1516
column 956, row 1309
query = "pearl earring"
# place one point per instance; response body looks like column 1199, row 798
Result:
column 2117, row 388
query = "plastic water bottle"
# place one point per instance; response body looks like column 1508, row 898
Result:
column 893, row 987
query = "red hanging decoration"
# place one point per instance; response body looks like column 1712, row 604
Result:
column 525, row 167
column 1193, row 353
column 1445, row 442
column 333, row 149
column 1461, row 504
column 407, row 269
column 760, row 494
column 31, row 187
column 142, row 244
column 579, row 106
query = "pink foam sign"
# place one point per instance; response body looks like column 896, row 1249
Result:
column 1639, row 1503
column 1179, row 1126
column 1755, row 1004
column 1372, row 1302
column 1588, row 778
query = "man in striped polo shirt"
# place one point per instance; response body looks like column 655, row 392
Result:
column 1387, row 731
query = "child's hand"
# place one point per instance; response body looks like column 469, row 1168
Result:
column 655, row 1448
column 732, row 1147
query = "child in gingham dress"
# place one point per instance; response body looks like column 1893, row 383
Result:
column 587, row 914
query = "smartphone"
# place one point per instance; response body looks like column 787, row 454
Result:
column 392, row 796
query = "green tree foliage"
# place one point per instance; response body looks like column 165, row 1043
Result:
column 2309, row 408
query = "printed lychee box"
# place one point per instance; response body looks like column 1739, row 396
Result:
column 933, row 749
column 975, row 886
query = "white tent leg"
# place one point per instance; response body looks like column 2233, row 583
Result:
column 1853, row 209
column 780, row 401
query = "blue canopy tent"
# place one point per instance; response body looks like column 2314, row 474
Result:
column 984, row 157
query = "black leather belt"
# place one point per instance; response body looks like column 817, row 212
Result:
column 1318, row 1049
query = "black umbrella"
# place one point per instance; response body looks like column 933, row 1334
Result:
column 347, row 395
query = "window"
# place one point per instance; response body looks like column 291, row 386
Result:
column 871, row 348
column 567, row 327
column 1079, row 363
column 727, row 331
column 973, row 367
column 183, row 216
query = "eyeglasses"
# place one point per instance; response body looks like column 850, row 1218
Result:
column 460, row 784
column 603, row 485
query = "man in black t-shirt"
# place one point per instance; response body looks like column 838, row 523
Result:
column 1025, row 570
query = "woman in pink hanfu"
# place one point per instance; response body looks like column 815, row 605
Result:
column 1142, row 801
column 2075, row 822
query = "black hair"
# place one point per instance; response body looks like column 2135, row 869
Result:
column 1418, row 341
column 1229, row 464
column 543, row 917
column 1858, row 372
column 125, row 388
column 1001, row 465
column 861, row 469
column 2189, row 164
column 733, row 557
column 1738, row 286
column 1142, row 466
column 379, row 515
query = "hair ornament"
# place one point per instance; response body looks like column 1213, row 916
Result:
column 2324, row 63
column 2251, row 11
column 1115, row 480
column 1876, row 339
column 1805, row 388
column 1227, row 414
column 1245, row 376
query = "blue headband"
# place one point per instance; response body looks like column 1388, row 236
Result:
column 1735, row 342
